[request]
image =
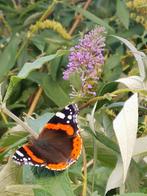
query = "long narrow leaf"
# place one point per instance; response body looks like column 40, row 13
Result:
column 137, row 54
column 125, row 127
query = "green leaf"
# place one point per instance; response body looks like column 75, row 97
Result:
column 9, row 175
column 53, row 89
column 20, row 190
column 38, row 123
column 13, row 145
column 101, row 175
column 103, row 139
column 122, row 13
column 37, row 77
column 12, row 137
column 107, row 124
column 106, row 156
column 37, row 64
column 55, row 92
column 8, row 57
column 112, row 68
column 133, row 178
column 107, row 88
column 14, row 80
column 112, row 62
column 28, row 176
column 59, row 185
column 41, row 192
column 54, row 67
column 94, row 18
column 39, row 42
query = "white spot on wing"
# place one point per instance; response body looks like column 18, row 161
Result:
column 69, row 117
column 25, row 159
column 68, row 121
column 67, row 108
column 60, row 115
column 19, row 153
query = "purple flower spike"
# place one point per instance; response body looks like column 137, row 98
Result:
column 87, row 58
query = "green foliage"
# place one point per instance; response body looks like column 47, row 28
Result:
column 8, row 56
column 115, row 148
column 122, row 13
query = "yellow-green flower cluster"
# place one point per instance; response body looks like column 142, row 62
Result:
column 49, row 24
column 110, row 113
column 138, row 11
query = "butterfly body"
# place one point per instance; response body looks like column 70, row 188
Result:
column 57, row 146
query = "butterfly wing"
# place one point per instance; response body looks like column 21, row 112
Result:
column 67, row 116
column 58, row 145
column 24, row 155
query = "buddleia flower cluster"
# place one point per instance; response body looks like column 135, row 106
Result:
column 87, row 58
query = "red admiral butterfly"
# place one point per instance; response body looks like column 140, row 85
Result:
column 57, row 146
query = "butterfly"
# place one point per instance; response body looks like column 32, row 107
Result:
column 58, row 145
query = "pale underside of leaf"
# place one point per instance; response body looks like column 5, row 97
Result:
column 140, row 146
column 116, row 178
column 132, row 82
column 125, row 127
column 137, row 54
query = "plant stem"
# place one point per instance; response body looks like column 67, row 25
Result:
column 84, row 191
column 48, row 11
column 111, row 95
column 127, row 90
column 4, row 118
column 93, row 100
column 16, row 119
column 79, row 17
column 35, row 101
column 94, row 163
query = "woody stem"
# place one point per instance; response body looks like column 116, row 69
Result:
column 19, row 121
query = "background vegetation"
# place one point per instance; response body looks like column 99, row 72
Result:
column 35, row 38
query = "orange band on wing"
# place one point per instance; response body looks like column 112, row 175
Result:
column 77, row 146
column 57, row 166
column 33, row 157
column 67, row 128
